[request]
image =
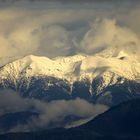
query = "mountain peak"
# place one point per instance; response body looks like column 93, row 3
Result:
column 77, row 66
column 70, row 72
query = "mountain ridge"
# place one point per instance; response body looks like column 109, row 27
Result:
column 77, row 66
column 83, row 76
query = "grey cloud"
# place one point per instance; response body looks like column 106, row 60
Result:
column 55, row 39
column 54, row 111
column 11, row 102
column 60, row 31
column 70, row 0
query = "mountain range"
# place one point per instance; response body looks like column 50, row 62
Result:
column 109, row 78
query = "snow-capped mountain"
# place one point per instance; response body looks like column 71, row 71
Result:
column 89, row 77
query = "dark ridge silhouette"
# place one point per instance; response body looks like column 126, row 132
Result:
column 118, row 123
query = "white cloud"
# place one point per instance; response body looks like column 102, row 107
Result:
column 54, row 111
column 53, row 31
column 40, row 33
column 106, row 33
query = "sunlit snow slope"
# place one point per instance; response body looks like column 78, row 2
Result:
column 73, row 74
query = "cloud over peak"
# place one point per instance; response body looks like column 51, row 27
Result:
column 61, row 31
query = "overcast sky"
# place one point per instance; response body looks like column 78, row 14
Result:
column 66, row 27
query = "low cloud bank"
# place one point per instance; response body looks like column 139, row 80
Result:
column 49, row 112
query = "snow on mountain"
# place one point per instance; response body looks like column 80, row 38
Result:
column 74, row 67
column 85, row 76
column 6, row 60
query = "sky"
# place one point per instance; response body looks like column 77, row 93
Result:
column 62, row 27
column 55, row 28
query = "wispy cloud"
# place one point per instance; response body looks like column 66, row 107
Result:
column 54, row 111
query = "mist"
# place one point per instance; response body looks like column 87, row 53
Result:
column 49, row 112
